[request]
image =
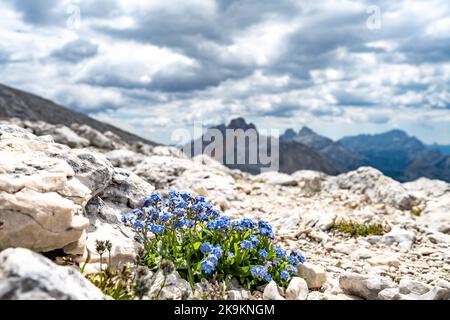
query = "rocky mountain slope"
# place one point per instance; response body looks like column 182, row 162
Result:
column 292, row 155
column 444, row 149
column 59, row 199
column 400, row 156
column 26, row 106
column 344, row 158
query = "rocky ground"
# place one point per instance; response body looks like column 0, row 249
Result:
column 63, row 188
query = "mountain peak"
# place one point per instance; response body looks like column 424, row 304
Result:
column 288, row 135
column 304, row 131
column 397, row 133
column 240, row 123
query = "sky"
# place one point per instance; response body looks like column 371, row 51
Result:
column 150, row 67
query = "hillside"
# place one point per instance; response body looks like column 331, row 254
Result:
column 26, row 106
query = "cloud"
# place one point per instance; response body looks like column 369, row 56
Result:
column 76, row 51
column 279, row 62
column 378, row 118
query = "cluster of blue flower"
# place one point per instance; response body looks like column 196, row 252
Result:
column 182, row 211
column 209, row 264
column 261, row 272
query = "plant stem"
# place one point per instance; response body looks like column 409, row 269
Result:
column 189, row 269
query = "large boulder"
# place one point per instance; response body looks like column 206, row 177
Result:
column 436, row 215
column 275, row 178
column 364, row 286
column 25, row 275
column 41, row 198
column 124, row 158
column 376, row 187
column 309, row 181
column 126, row 191
column 95, row 137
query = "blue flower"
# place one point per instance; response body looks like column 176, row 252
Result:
column 181, row 204
column 246, row 244
column 138, row 224
column 173, row 194
column 217, row 251
column 213, row 258
column 292, row 269
column 296, row 258
column 155, row 197
column 186, row 196
column 127, row 217
column 138, row 212
column 157, row 228
column 198, row 207
column 148, row 202
column 154, row 214
column 200, row 199
column 284, row 275
column 189, row 223
column 220, row 223
column 248, row 224
column 230, row 255
column 254, row 239
column 265, row 229
column 281, row 253
column 259, row 272
column 207, row 266
column 206, row 247
column 263, row 253
column 165, row 216
column 180, row 212
column 180, row 224
column 268, row 277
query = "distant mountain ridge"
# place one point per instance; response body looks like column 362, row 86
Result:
column 444, row 149
column 400, row 156
column 344, row 158
column 15, row 103
column 293, row 156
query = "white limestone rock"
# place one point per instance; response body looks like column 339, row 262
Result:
column 25, row 275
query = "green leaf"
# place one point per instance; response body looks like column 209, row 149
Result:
column 197, row 245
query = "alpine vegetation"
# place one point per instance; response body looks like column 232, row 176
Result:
column 203, row 243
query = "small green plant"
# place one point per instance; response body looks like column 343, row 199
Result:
column 203, row 243
column 356, row 229
column 416, row 212
column 114, row 282
column 124, row 283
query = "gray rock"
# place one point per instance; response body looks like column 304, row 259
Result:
column 14, row 131
column 91, row 169
column 276, row 178
column 41, row 199
column 173, row 287
column 377, row 187
column 366, row 287
column 272, row 292
column 126, row 188
column 314, row 275
column 124, row 158
column 67, row 136
column 25, row 275
column 95, row 137
column 402, row 237
column 436, row 214
column 297, row 289
column 241, row 294
column 309, row 181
